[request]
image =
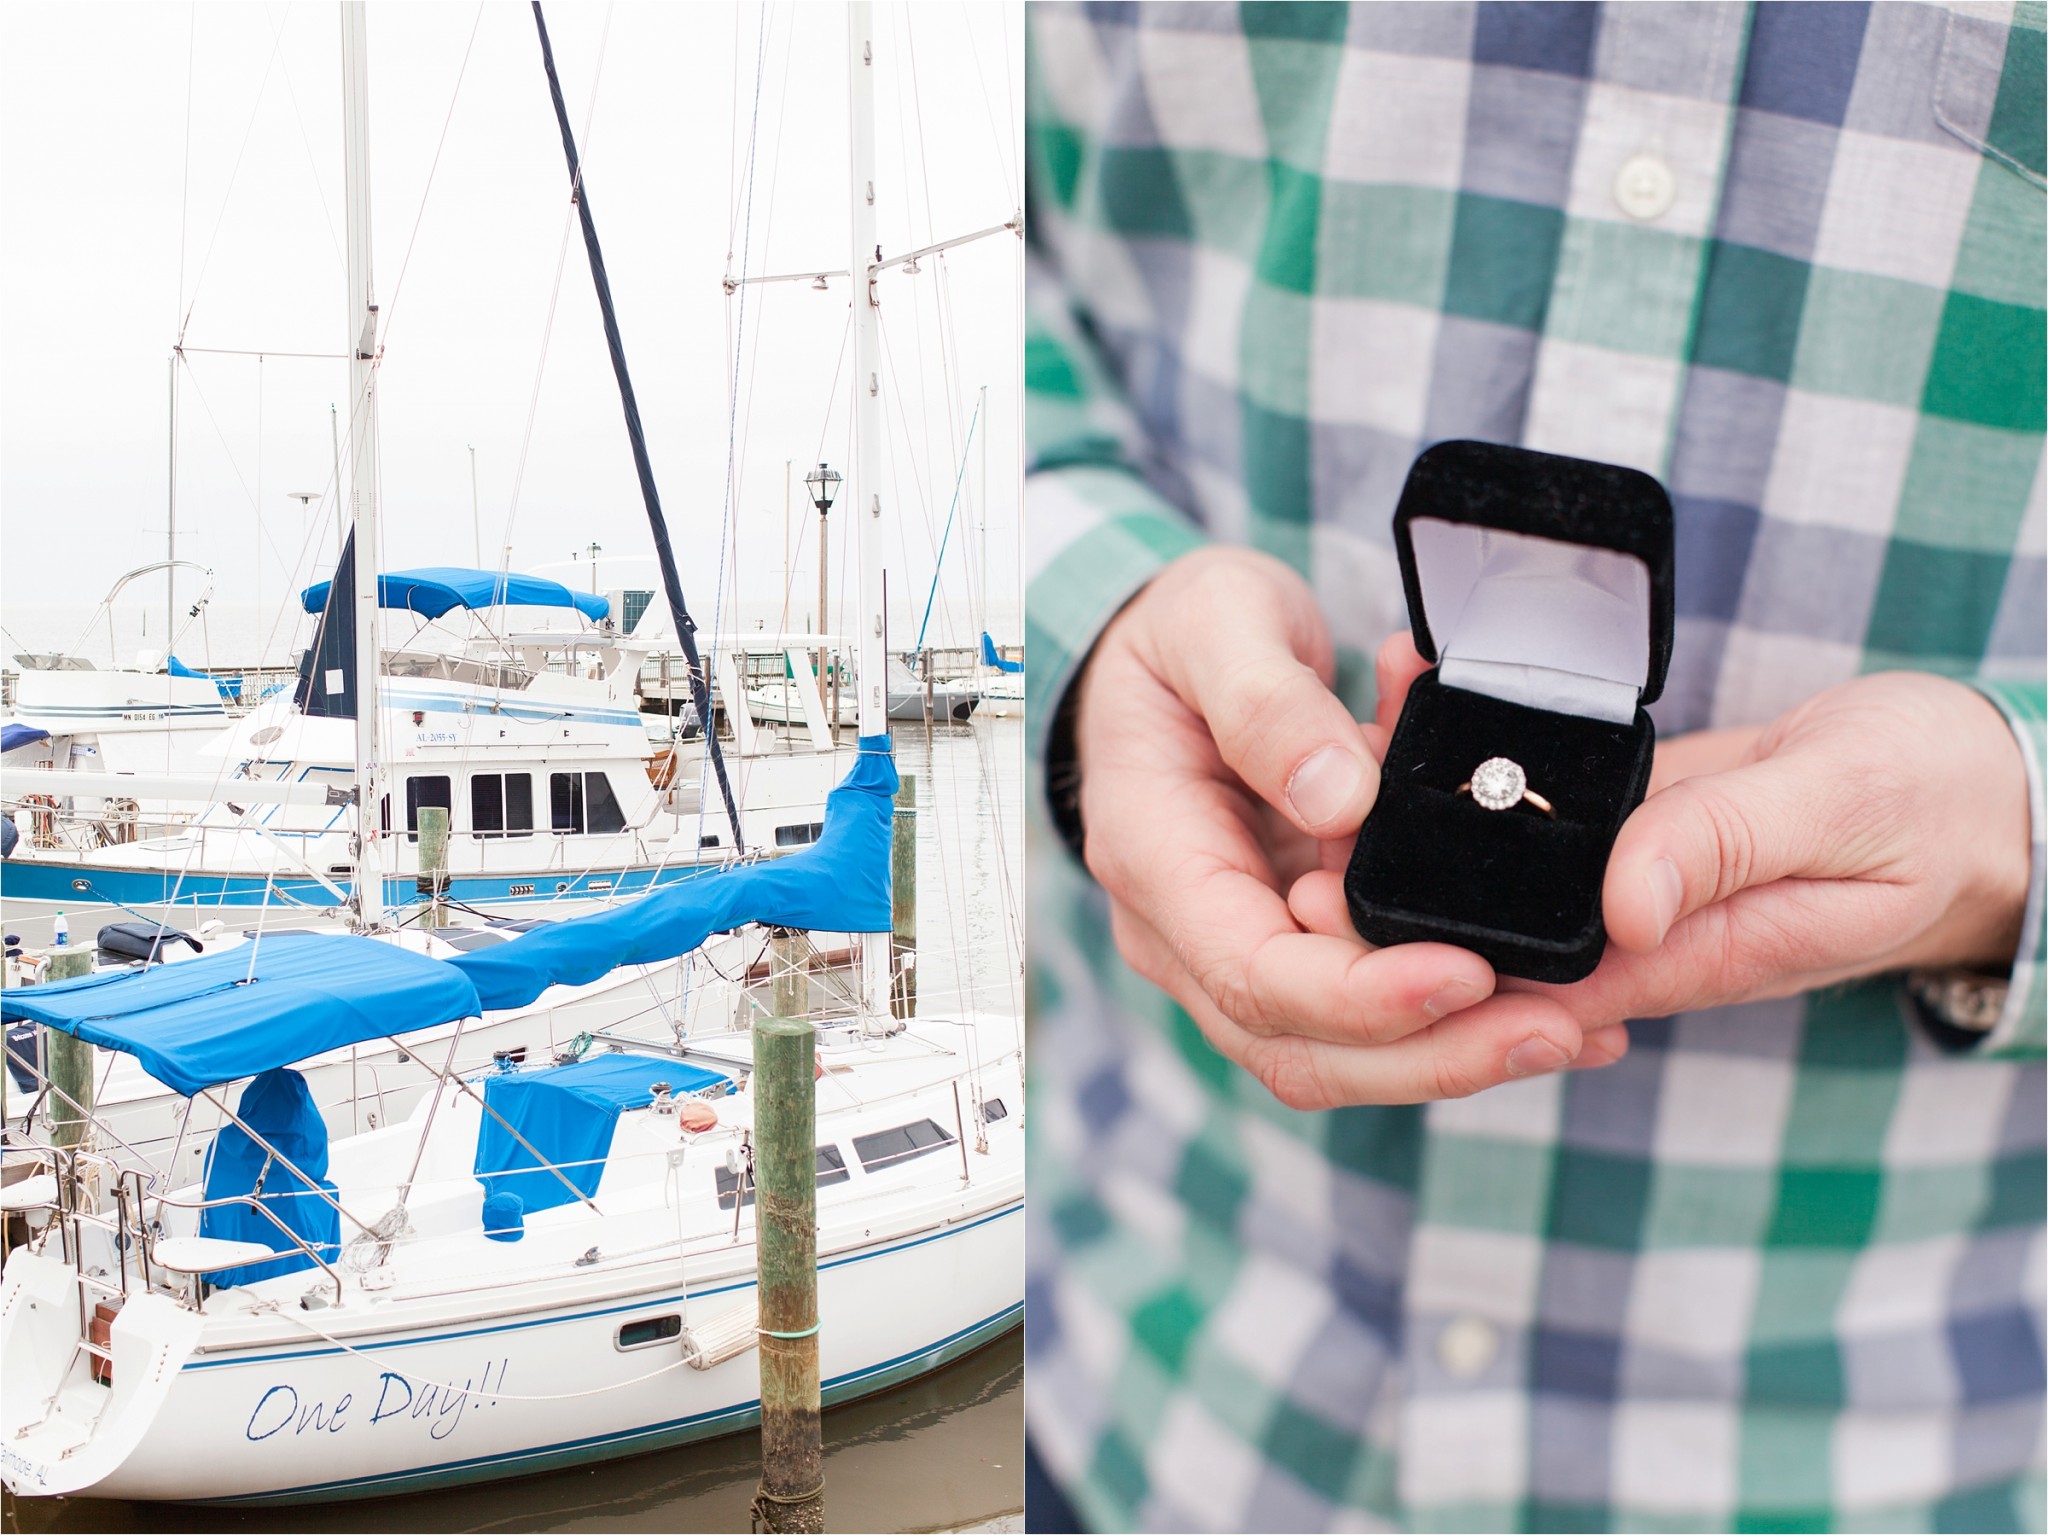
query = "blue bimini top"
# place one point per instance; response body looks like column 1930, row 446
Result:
column 567, row 1114
column 437, row 588
column 204, row 1021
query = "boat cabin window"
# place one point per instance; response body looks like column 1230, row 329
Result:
column 801, row 834
column 583, row 802
column 501, row 804
column 648, row 1331
column 427, row 789
column 831, row 1169
column 900, row 1143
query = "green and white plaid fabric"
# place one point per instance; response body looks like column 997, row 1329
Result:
column 1782, row 1268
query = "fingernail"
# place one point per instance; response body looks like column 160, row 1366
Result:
column 1667, row 889
column 1323, row 785
column 1534, row 1056
column 1451, row 996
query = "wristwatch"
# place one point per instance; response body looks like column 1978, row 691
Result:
column 1960, row 998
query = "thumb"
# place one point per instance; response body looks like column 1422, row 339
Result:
column 1703, row 838
column 1272, row 716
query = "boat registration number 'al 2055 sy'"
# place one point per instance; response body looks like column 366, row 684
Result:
column 282, row 1412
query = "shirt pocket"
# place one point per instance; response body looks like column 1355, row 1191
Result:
column 1988, row 89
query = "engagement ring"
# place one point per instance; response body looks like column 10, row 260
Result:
column 1498, row 784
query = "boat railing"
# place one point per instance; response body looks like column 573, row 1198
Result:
column 253, row 1202
column 75, row 1205
column 79, row 1113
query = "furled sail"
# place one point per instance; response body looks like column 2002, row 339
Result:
column 327, row 671
column 839, row 884
column 990, row 656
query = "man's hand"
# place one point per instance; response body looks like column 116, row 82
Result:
column 1217, row 767
column 1881, row 825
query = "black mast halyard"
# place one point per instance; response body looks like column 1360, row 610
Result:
column 672, row 583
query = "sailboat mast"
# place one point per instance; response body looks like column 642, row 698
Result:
column 872, row 652
column 981, row 532
column 170, row 533
column 362, row 368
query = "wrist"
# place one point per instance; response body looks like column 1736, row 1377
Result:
column 1990, row 908
column 1067, row 735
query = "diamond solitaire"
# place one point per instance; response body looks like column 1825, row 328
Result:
column 1499, row 783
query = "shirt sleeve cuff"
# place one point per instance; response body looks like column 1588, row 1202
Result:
column 2022, row 1027
column 1097, row 536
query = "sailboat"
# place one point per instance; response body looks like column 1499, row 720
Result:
column 541, row 1267
column 73, row 713
column 527, row 733
column 511, row 704
column 546, row 1266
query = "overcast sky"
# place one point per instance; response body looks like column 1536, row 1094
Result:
column 113, row 230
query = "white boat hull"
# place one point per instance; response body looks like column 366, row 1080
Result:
column 460, row 1359
column 295, row 1419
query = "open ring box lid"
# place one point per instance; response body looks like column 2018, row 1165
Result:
column 1541, row 587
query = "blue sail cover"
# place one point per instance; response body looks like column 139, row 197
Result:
column 839, row 884
column 201, row 1022
column 226, row 686
column 436, row 589
column 567, row 1114
column 990, row 658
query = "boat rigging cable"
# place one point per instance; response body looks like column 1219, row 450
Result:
column 671, row 580
column 946, row 537
column 736, row 333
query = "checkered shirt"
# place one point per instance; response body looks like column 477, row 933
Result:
column 1781, row 1268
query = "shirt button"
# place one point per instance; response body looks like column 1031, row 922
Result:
column 1467, row 1346
column 1644, row 187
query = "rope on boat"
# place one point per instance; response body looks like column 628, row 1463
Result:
column 369, row 1250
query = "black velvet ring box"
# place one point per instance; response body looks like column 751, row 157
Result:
column 1541, row 588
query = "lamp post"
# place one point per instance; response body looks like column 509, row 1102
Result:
column 823, row 484
column 595, row 550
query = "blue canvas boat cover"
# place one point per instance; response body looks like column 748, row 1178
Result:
column 434, row 590
column 279, row 1107
column 567, row 1114
column 200, row 1022
column 13, row 735
column 991, row 658
column 839, row 884
column 227, row 687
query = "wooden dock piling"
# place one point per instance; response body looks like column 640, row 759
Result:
column 433, row 875
column 68, row 1061
column 792, row 1491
